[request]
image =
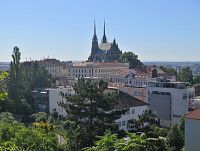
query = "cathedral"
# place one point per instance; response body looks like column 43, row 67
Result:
column 105, row 51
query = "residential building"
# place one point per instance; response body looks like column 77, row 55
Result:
column 41, row 100
column 129, row 77
column 169, row 100
column 57, row 96
column 134, row 106
column 192, row 131
column 48, row 100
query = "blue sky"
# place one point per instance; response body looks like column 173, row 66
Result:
column 162, row 30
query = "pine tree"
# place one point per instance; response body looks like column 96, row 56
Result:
column 92, row 109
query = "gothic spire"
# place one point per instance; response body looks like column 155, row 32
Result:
column 104, row 40
column 104, row 29
column 94, row 39
column 94, row 28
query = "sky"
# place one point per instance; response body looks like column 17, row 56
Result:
column 155, row 30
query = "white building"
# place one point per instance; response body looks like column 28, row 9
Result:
column 95, row 69
column 129, row 77
column 134, row 106
column 192, row 131
column 169, row 100
column 56, row 97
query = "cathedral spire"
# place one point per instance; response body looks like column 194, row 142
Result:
column 94, row 39
column 104, row 40
column 104, row 29
column 94, row 27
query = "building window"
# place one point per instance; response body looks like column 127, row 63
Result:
column 119, row 124
column 184, row 96
column 128, row 112
column 123, row 123
column 133, row 111
column 176, row 116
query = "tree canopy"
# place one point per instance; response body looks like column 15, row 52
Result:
column 92, row 108
column 132, row 59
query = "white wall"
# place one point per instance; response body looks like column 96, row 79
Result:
column 192, row 135
column 55, row 98
column 179, row 105
column 138, row 110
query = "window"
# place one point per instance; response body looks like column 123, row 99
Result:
column 176, row 116
column 119, row 124
column 123, row 123
column 133, row 111
column 184, row 96
column 128, row 112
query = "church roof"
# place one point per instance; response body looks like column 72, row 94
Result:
column 105, row 46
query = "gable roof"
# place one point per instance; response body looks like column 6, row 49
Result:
column 195, row 114
column 126, row 101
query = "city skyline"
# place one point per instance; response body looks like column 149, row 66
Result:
column 155, row 31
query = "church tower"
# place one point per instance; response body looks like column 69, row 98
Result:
column 94, row 39
column 95, row 45
column 104, row 39
column 105, row 51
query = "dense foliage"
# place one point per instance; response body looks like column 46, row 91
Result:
column 133, row 142
column 186, row 75
column 133, row 60
column 19, row 84
column 16, row 136
column 170, row 71
column 92, row 109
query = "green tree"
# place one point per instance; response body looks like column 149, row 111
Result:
column 34, row 78
column 169, row 71
column 144, row 121
column 133, row 142
column 196, row 79
column 16, row 135
column 186, row 75
column 132, row 59
column 15, row 76
column 92, row 109
column 176, row 138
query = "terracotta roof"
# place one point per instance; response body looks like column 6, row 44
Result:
column 195, row 114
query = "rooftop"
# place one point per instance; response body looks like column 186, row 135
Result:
column 195, row 114
column 127, row 101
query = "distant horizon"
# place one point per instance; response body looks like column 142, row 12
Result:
column 140, row 60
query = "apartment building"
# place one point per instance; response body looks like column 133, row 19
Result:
column 169, row 100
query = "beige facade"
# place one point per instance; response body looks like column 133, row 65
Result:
column 54, row 67
column 95, row 69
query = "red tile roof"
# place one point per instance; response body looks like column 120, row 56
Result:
column 194, row 114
